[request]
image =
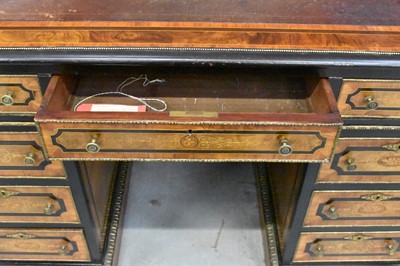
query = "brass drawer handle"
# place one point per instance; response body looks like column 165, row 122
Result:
column 8, row 99
column 392, row 248
column 371, row 103
column 30, row 159
column 331, row 213
column 285, row 149
column 93, row 146
column 63, row 250
column 48, row 210
column 351, row 166
column 317, row 249
column 320, row 250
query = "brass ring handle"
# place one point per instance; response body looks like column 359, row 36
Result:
column 48, row 210
column 285, row 149
column 351, row 166
column 30, row 159
column 8, row 99
column 331, row 213
column 371, row 103
column 92, row 146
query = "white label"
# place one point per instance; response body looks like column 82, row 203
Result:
column 88, row 107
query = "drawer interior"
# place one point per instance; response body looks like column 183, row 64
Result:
column 215, row 93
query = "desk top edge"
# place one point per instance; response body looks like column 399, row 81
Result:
column 206, row 35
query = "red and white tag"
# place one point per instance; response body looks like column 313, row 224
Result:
column 94, row 107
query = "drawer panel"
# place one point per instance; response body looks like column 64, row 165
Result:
column 20, row 94
column 370, row 98
column 21, row 204
column 348, row 247
column 353, row 208
column 22, row 156
column 226, row 127
column 363, row 160
column 43, row 245
column 186, row 142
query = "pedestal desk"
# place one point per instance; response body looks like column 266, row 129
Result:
column 307, row 90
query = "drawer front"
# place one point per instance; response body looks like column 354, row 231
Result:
column 363, row 160
column 353, row 208
column 370, row 98
column 119, row 141
column 348, row 247
column 20, row 94
column 20, row 204
column 22, row 156
column 43, row 245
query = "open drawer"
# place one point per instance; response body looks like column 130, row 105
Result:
column 213, row 114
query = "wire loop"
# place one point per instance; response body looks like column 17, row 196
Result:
column 126, row 83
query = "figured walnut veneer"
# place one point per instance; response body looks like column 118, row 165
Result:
column 353, row 208
column 348, row 247
column 43, row 245
column 37, row 204
column 15, row 147
column 200, row 35
column 373, row 162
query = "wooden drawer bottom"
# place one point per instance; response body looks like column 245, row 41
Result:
column 348, row 247
column 43, row 245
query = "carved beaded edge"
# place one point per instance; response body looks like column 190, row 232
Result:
column 269, row 229
column 116, row 215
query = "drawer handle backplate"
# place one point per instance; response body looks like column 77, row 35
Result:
column 8, row 99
